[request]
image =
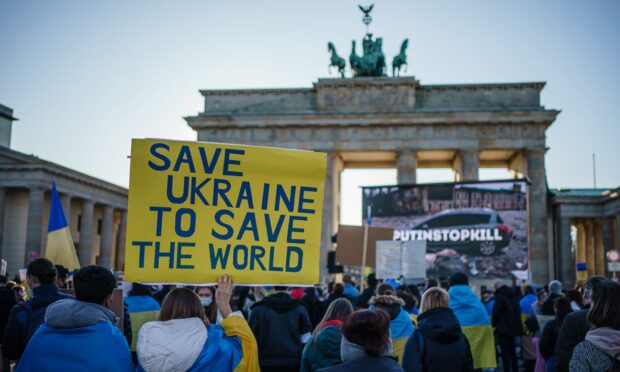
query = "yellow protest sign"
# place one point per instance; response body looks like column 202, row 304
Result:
column 198, row 210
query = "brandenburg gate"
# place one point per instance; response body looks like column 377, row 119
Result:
column 396, row 122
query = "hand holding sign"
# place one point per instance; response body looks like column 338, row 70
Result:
column 223, row 294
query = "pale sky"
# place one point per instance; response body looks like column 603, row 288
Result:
column 84, row 77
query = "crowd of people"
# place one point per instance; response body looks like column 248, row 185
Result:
column 388, row 326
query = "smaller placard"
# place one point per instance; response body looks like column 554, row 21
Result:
column 404, row 259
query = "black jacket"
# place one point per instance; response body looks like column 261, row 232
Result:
column 26, row 317
column 367, row 363
column 548, row 340
column 7, row 301
column 278, row 322
column 313, row 305
column 573, row 331
column 438, row 344
column 547, row 306
column 506, row 317
column 365, row 296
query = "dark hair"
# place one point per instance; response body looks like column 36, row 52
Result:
column 62, row 272
column 415, row 291
column 3, row 279
column 444, row 284
column 372, row 280
column 181, row 303
column 42, row 269
column 458, row 278
column 431, row 283
column 138, row 289
column 574, row 295
column 369, row 329
column 605, row 305
column 280, row 288
column 211, row 311
column 338, row 289
column 93, row 284
column 405, row 294
column 385, row 289
column 528, row 290
column 562, row 308
column 339, row 309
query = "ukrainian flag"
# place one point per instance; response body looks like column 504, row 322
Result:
column 475, row 324
column 60, row 249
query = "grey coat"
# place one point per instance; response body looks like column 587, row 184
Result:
column 589, row 358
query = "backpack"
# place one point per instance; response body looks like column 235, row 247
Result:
column 35, row 316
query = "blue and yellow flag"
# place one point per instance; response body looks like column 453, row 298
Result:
column 60, row 249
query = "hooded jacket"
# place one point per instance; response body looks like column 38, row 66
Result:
column 438, row 344
column 323, row 350
column 507, row 313
column 77, row 336
column 599, row 352
column 401, row 325
column 278, row 322
column 188, row 345
column 7, row 301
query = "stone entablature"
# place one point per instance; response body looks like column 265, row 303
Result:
column 393, row 95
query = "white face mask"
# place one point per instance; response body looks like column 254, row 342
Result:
column 206, row 301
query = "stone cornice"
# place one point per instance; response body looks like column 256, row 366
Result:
column 545, row 117
column 538, row 85
column 252, row 92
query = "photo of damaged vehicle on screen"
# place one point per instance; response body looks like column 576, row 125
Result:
column 474, row 231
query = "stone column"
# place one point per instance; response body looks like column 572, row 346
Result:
column 2, row 200
column 567, row 260
column 107, row 228
column 617, row 231
column 406, row 165
column 580, row 253
column 86, row 232
column 121, row 242
column 599, row 248
column 467, row 165
column 65, row 201
column 537, row 216
column 34, row 229
column 327, row 230
column 590, row 256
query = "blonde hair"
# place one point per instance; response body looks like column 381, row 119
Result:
column 434, row 297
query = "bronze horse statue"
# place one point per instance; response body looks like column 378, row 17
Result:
column 400, row 60
column 336, row 60
column 354, row 60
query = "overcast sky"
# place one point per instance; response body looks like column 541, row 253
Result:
column 84, row 77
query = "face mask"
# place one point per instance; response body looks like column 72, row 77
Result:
column 206, row 301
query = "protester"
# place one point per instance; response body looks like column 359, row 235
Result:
column 27, row 316
column 161, row 294
column 528, row 346
column 601, row 349
column 323, row 350
column 506, row 320
column 437, row 344
column 574, row 327
column 336, row 293
column 311, row 301
column 8, row 299
column 282, row 326
column 575, row 298
column 541, row 297
column 430, row 283
column 350, row 290
column 207, row 300
column 555, row 291
column 487, row 300
column 20, row 293
column 62, row 274
column 551, row 331
column 365, row 344
column 401, row 325
column 184, row 340
column 80, row 334
column 142, row 308
column 474, row 321
column 369, row 291
column 411, row 302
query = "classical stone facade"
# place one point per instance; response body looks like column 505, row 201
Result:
column 96, row 211
column 397, row 122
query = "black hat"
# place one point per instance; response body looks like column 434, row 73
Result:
column 458, row 278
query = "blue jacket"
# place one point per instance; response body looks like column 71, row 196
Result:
column 77, row 336
column 526, row 304
column 350, row 291
column 205, row 349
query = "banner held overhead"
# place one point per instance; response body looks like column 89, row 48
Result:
column 198, row 210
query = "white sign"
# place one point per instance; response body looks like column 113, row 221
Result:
column 3, row 265
column 613, row 266
column 401, row 258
